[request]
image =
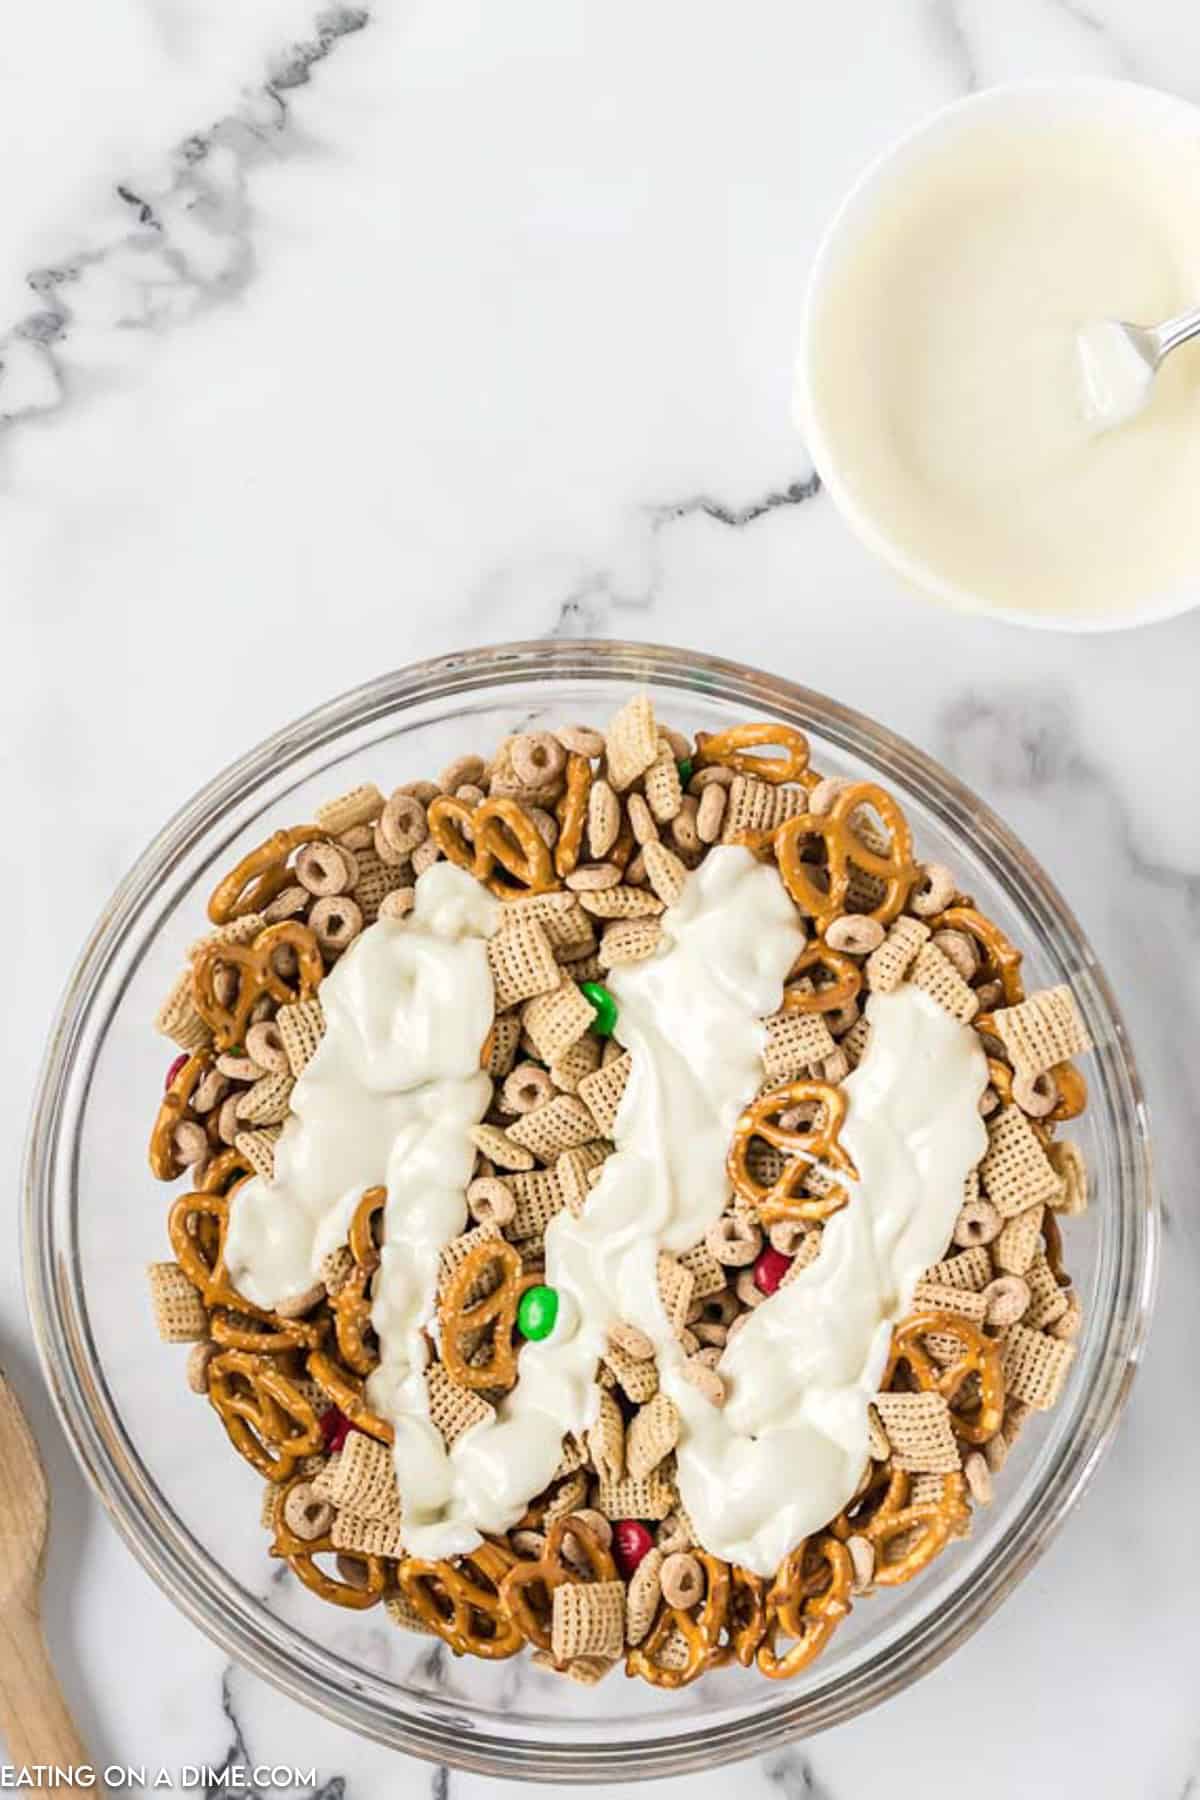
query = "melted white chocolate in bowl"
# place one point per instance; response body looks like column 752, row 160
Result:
column 389, row 1098
column 942, row 387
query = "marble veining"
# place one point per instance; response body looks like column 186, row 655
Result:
column 470, row 323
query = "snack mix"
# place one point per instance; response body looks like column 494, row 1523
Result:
column 589, row 841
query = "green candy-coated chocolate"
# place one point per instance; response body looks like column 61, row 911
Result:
column 603, row 1005
column 685, row 770
column 537, row 1312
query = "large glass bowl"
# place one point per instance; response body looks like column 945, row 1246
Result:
column 189, row 1507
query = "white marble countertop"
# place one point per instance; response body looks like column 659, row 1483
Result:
column 475, row 325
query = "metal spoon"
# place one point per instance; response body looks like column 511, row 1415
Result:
column 1118, row 363
column 33, row 1714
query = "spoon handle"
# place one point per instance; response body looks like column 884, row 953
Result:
column 34, row 1719
column 1176, row 331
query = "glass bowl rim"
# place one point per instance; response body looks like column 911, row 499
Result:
column 325, row 1683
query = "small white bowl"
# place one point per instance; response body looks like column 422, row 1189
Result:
column 1033, row 103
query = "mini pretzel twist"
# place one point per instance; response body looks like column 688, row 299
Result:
column 257, row 976
column 269, row 1421
column 352, row 1305
column 807, row 1601
column 844, row 984
column 462, row 1601
column 999, row 960
column 300, row 1554
column 527, row 1591
column 262, row 873
column 465, row 1323
column 164, row 1163
column 729, row 749
column 746, row 1619
column 815, row 1143
column 926, row 1527
column 980, row 1356
column 572, row 814
column 497, row 831
column 843, row 849
column 348, row 1394
column 264, row 1336
column 701, row 1630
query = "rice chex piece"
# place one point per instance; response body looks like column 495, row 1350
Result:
column 854, row 1044
column 936, row 975
column 500, row 1148
column 1015, row 1172
column 361, row 806
column 629, row 941
column 664, row 791
column 631, row 742
column 1014, row 1249
column 588, row 1620
column 573, row 1168
column 401, row 1611
column 1067, row 1161
column 268, row 1102
column 649, row 1496
column 675, row 1289
column 1045, row 1029
column 376, row 880
column 271, row 1509
column 258, row 1148
column 919, row 1430
column 755, row 805
column 242, row 930
column 453, row 1409
column 560, row 916
column 179, row 1312
column 940, row 1296
column 708, row 1276
column 602, row 1091
column 605, row 1439
column 557, row 1020
column 571, row 1495
column 652, row 1435
column 301, row 1027
column 178, row 1019
column 666, row 874
column 569, row 1069
column 888, row 966
column 808, row 1251
column 621, row 902
column 574, row 1456
column 539, row 1196
column 636, row 1377
column 503, row 1039
column 366, row 1479
column 1047, row 1301
column 325, row 1480
column 643, row 1595
column 1035, row 1366
column 366, row 1537
column 521, row 958
column 560, row 1124
column 795, row 1041
column 968, row 1269
column 585, row 1671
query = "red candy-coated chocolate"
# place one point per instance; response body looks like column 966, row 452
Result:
column 174, row 1069
column 335, row 1429
column 770, row 1270
column 631, row 1541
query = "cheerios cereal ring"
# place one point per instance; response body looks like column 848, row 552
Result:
column 261, row 874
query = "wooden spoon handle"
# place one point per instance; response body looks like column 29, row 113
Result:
column 34, row 1719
